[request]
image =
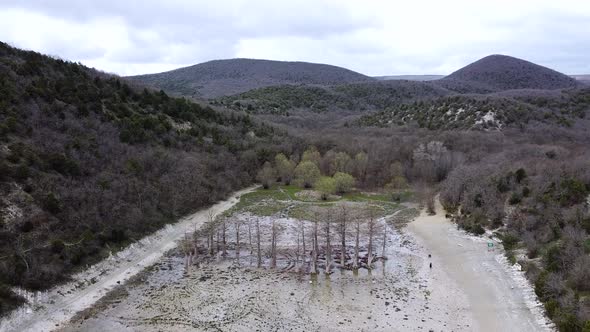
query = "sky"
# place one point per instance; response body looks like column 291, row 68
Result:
column 129, row 37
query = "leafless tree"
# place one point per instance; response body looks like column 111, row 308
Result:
column 314, row 253
column 224, row 243
column 328, row 251
column 250, row 236
column 343, row 217
column 355, row 262
column 384, row 241
column 259, row 253
column 273, row 245
column 371, row 228
column 237, row 226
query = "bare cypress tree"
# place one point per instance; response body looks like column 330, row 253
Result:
column 210, row 220
column 224, row 244
column 343, row 216
column 298, row 248
column 238, row 239
column 371, row 233
column 314, row 255
column 328, row 245
column 355, row 262
column 273, row 246
column 303, row 241
column 384, row 241
column 250, row 236
column 258, row 243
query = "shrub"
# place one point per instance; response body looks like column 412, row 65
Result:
column 51, row 203
column 326, row 186
column 343, row 182
column 520, row 175
column 514, row 199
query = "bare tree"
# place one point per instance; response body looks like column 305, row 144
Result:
column 224, row 244
column 314, row 252
column 250, row 236
column 273, row 246
column 259, row 263
column 238, row 239
column 343, row 216
column 384, row 241
column 355, row 262
column 328, row 244
column 302, row 226
column 371, row 234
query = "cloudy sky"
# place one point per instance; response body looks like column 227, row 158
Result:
column 372, row 37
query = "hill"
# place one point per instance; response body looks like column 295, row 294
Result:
column 355, row 97
column 88, row 164
column 226, row 77
column 410, row 77
column 514, row 108
column 501, row 72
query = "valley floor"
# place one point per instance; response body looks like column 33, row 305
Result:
column 468, row 288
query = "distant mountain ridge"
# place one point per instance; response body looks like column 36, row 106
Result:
column 227, row 77
column 409, row 77
column 501, row 72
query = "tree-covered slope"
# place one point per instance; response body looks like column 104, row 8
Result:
column 88, row 164
column 354, row 97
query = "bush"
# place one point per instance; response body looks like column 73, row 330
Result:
column 509, row 241
column 520, row 175
column 514, row 199
column 343, row 182
column 51, row 203
column 326, row 186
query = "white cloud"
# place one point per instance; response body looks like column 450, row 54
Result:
column 374, row 37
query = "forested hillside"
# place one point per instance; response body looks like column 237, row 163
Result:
column 355, row 97
column 517, row 108
column 89, row 163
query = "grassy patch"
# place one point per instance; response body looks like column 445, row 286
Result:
column 267, row 202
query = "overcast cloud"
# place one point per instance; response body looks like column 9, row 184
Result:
column 372, row 37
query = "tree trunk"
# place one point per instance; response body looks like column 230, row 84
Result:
column 370, row 248
column 384, row 241
column 343, row 237
column 223, row 229
column 328, row 248
column 304, row 250
column 273, row 246
column 355, row 263
column 250, row 236
column 238, row 240
column 258, row 243
column 314, row 258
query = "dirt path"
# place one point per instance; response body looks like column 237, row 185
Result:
column 50, row 309
column 499, row 298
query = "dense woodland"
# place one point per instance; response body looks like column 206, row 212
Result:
column 89, row 163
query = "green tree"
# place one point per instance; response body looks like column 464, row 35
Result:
column 361, row 161
column 341, row 162
column 284, row 168
column 344, row 182
column 312, row 154
column 307, row 173
column 266, row 175
column 326, row 186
